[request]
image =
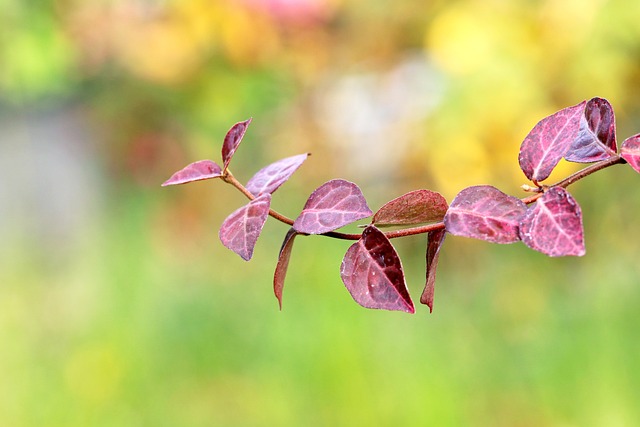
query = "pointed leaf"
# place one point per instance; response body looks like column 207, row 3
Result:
column 434, row 243
column 283, row 264
column 596, row 139
column 240, row 231
column 232, row 140
column 553, row 225
column 197, row 171
column 549, row 141
column 486, row 213
column 630, row 151
column 334, row 204
column 372, row 272
column 268, row 179
column 415, row 207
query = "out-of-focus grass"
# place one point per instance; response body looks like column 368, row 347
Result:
column 144, row 329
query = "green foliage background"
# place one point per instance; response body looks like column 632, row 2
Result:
column 119, row 306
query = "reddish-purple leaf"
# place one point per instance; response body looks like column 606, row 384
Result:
column 553, row 225
column 240, row 231
column 416, row 207
column 268, row 179
column 232, row 140
column 372, row 272
column 283, row 264
column 630, row 151
column 549, row 141
column 486, row 213
column 434, row 243
column 596, row 139
column 332, row 205
column 203, row 169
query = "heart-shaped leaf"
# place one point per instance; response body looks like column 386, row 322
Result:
column 434, row 243
column 596, row 139
column 549, row 141
column 232, row 140
column 486, row 213
column 269, row 178
column 197, row 171
column 630, row 151
column 240, row 231
column 283, row 264
column 334, row 204
column 415, row 207
column 553, row 225
column 372, row 272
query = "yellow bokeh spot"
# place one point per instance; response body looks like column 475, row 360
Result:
column 458, row 163
column 461, row 39
column 161, row 52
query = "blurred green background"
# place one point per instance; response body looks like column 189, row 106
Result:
column 120, row 307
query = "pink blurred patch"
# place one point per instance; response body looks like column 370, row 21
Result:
column 294, row 11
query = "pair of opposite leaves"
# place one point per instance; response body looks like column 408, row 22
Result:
column 371, row 268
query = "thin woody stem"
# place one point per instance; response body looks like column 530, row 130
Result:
column 582, row 173
column 229, row 178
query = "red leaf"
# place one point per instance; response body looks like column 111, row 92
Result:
column 549, row 141
column 372, row 272
column 203, row 169
column 630, row 151
column 268, row 179
column 486, row 213
column 596, row 139
column 240, row 231
column 283, row 264
column 232, row 140
column 434, row 243
column 334, row 204
column 416, row 207
column 553, row 225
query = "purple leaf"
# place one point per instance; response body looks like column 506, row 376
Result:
column 232, row 140
column 240, row 231
column 332, row 205
column 416, row 207
column 203, row 169
column 283, row 264
column 553, row 225
column 596, row 139
column 630, row 151
column 372, row 272
column 549, row 141
column 268, row 179
column 434, row 243
column 486, row 213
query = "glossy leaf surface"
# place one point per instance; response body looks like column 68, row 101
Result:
column 630, row 151
column 486, row 213
column 434, row 243
column 372, row 272
column 269, row 178
column 596, row 139
column 283, row 264
column 415, row 207
column 553, row 225
column 232, row 140
column 549, row 141
column 332, row 205
column 197, row 171
column 240, row 231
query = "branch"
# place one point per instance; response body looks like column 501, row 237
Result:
column 583, row 173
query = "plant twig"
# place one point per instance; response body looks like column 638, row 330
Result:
column 582, row 173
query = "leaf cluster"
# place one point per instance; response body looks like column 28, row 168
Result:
column 549, row 221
